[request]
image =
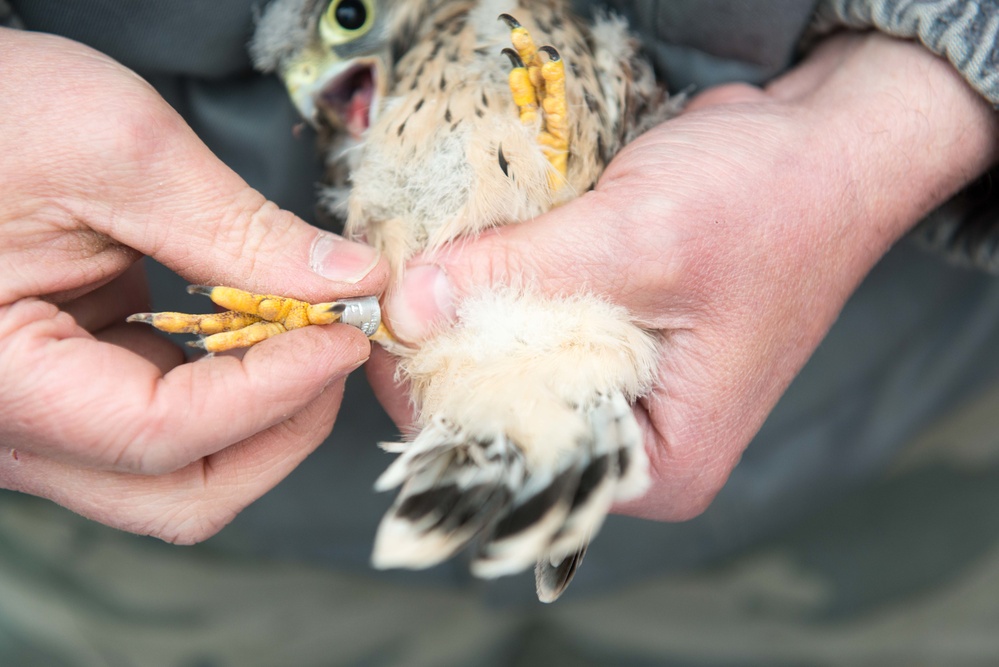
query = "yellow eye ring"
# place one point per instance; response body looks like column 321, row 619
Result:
column 346, row 20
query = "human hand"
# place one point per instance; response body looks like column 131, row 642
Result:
column 737, row 230
column 103, row 417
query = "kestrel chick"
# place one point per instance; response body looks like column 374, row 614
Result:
column 441, row 119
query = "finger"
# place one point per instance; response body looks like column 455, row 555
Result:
column 113, row 302
column 73, row 397
column 684, row 480
column 146, row 343
column 190, row 504
column 131, row 175
column 204, row 221
column 730, row 93
column 103, row 311
column 392, row 393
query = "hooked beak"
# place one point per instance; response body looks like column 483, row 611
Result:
column 343, row 93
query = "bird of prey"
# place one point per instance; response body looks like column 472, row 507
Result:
column 440, row 119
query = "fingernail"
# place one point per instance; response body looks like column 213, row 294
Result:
column 335, row 258
column 421, row 301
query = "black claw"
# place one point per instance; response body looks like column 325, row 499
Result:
column 552, row 53
column 337, row 308
column 200, row 289
column 514, row 57
column 510, row 21
column 503, row 163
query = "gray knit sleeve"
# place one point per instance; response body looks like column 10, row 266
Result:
column 966, row 33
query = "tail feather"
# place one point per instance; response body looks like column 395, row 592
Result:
column 633, row 462
column 456, row 488
column 535, row 515
column 452, row 492
column 598, row 481
column 553, row 578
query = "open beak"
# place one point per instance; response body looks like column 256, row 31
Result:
column 343, row 93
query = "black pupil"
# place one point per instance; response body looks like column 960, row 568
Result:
column 351, row 14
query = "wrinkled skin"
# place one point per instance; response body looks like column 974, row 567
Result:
column 738, row 230
column 103, row 417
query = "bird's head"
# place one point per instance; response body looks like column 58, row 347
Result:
column 333, row 56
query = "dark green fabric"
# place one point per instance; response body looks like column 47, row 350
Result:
column 706, row 42
column 7, row 17
column 699, row 42
column 203, row 38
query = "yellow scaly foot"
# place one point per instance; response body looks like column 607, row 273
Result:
column 534, row 84
column 251, row 318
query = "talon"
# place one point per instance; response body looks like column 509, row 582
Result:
column 514, row 57
column 203, row 290
column 245, row 337
column 145, row 318
column 528, row 52
column 251, row 318
column 509, row 20
column 204, row 325
column 535, row 85
column 552, row 53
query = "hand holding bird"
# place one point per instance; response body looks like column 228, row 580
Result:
column 727, row 230
column 103, row 417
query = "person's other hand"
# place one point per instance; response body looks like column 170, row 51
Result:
column 737, row 230
column 103, row 417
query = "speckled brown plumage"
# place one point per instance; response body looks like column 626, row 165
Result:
column 527, row 435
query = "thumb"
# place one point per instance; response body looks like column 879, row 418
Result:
column 103, row 150
column 207, row 224
column 560, row 252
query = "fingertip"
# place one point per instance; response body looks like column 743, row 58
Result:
column 226, row 400
column 335, row 258
column 423, row 300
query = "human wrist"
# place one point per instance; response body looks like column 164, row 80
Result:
column 909, row 131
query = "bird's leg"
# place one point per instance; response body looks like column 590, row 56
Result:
column 533, row 82
column 250, row 318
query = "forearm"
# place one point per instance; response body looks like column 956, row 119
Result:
column 901, row 126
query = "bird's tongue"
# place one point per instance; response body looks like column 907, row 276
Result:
column 358, row 112
column 349, row 98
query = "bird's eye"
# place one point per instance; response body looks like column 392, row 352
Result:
column 346, row 20
column 351, row 14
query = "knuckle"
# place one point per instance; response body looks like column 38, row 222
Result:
column 685, row 485
column 144, row 130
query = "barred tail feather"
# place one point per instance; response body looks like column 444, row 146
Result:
column 456, row 489
column 617, row 468
column 554, row 577
column 453, row 488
